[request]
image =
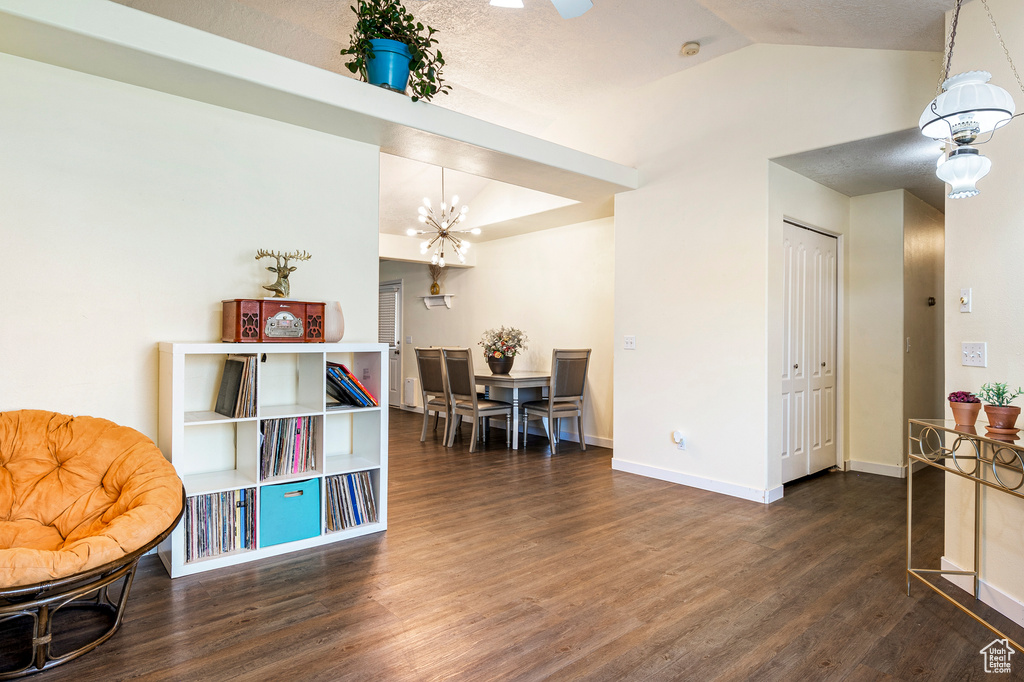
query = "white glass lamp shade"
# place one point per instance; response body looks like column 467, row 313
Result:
column 969, row 104
column 962, row 170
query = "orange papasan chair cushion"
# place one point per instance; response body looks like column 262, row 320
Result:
column 77, row 493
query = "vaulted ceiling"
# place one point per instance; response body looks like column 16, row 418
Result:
column 527, row 69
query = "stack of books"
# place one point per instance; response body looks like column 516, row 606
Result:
column 287, row 446
column 345, row 389
column 237, row 395
column 350, row 501
column 219, row 523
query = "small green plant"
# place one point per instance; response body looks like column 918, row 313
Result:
column 391, row 20
column 997, row 394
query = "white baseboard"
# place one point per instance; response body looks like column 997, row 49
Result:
column 891, row 470
column 1009, row 606
column 731, row 489
column 534, row 430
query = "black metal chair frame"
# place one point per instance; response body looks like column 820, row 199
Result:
column 88, row 590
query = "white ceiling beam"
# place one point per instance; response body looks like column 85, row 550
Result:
column 116, row 42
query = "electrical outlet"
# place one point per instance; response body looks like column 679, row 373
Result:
column 974, row 354
column 630, row 343
column 680, row 439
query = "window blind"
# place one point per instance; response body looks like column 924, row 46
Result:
column 387, row 316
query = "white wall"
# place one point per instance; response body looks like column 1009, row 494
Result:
column 694, row 245
column 984, row 252
column 875, row 295
column 555, row 285
column 128, row 215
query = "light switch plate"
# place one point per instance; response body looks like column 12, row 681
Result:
column 965, row 300
column 974, row 354
column 630, row 343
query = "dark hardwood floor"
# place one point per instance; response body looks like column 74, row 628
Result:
column 505, row 565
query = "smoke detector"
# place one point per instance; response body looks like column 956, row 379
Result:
column 691, row 48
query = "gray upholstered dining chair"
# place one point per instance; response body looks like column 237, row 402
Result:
column 434, row 389
column 461, row 381
column 565, row 395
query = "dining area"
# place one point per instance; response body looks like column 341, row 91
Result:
column 457, row 389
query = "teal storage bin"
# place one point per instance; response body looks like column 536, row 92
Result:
column 289, row 512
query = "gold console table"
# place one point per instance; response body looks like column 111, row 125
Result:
column 972, row 454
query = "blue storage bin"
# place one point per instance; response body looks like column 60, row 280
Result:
column 289, row 512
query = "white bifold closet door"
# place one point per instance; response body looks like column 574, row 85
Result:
column 809, row 352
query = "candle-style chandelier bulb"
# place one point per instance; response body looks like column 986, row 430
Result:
column 447, row 217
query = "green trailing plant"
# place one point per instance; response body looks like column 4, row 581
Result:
column 998, row 394
column 391, row 20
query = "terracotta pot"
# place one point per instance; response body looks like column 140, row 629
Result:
column 965, row 414
column 1002, row 417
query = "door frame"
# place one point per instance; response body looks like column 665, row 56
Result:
column 840, row 333
column 400, row 323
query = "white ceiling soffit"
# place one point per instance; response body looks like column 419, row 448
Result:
column 495, row 207
column 105, row 39
column 903, row 160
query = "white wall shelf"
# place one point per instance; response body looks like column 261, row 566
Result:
column 438, row 301
column 215, row 454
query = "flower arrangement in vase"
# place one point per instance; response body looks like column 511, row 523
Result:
column 1001, row 414
column 965, row 406
column 501, row 346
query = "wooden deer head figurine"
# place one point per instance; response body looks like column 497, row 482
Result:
column 281, row 287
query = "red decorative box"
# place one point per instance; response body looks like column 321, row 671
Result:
column 272, row 320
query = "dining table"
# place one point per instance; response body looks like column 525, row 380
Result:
column 515, row 380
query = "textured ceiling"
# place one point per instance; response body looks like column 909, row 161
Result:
column 891, row 25
column 529, row 69
column 901, row 160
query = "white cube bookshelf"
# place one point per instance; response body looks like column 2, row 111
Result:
column 215, row 454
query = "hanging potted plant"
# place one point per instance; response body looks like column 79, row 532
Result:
column 1001, row 414
column 965, row 406
column 391, row 49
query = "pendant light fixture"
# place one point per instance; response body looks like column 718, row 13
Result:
column 967, row 107
column 442, row 233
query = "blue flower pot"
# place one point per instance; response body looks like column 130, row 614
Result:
column 390, row 66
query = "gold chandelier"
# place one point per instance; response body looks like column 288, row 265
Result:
column 443, row 233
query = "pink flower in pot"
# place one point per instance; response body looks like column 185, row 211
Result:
column 965, row 407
